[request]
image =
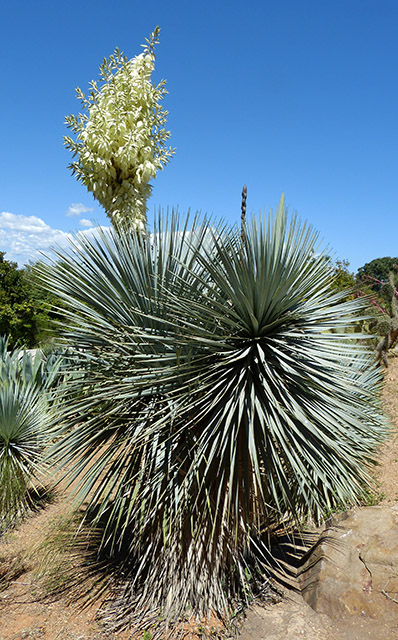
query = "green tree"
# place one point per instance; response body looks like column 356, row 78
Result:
column 17, row 310
column 47, row 307
column 120, row 140
column 27, row 310
column 219, row 404
column 343, row 279
column 376, row 272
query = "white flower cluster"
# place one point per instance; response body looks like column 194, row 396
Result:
column 120, row 141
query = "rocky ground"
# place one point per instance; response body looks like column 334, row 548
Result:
column 24, row 614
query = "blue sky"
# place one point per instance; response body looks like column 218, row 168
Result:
column 299, row 97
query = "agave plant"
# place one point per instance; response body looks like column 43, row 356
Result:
column 219, row 403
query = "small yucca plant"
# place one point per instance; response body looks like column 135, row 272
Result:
column 219, row 403
column 26, row 381
column 24, row 434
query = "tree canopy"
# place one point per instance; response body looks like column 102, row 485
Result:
column 17, row 310
column 376, row 270
column 343, row 279
column 26, row 308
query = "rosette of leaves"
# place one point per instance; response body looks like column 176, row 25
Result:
column 27, row 382
column 120, row 139
column 25, row 428
column 219, row 405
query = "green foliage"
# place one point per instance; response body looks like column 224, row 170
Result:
column 379, row 281
column 46, row 306
column 22, row 440
column 28, row 380
column 120, row 140
column 25, row 427
column 372, row 497
column 219, row 403
column 17, row 310
column 374, row 273
column 26, row 309
column 43, row 371
column 343, row 279
column 387, row 323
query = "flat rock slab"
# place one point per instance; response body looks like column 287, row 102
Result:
column 353, row 573
column 290, row 619
column 349, row 585
column 294, row 620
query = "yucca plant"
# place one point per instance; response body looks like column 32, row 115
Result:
column 24, row 434
column 27, row 379
column 219, row 404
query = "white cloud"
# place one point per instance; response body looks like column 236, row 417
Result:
column 23, row 238
column 85, row 223
column 77, row 208
column 28, row 224
column 28, row 238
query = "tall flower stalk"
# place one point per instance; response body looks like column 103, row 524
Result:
column 120, row 139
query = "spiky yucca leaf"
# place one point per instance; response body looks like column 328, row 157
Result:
column 24, row 433
column 27, row 379
column 219, row 403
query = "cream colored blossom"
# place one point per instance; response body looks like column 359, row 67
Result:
column 120, row 140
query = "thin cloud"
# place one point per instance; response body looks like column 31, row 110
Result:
column 26, row 238
column 85, row 222
column 77, row 208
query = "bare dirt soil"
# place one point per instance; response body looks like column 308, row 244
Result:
column 25, row 615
